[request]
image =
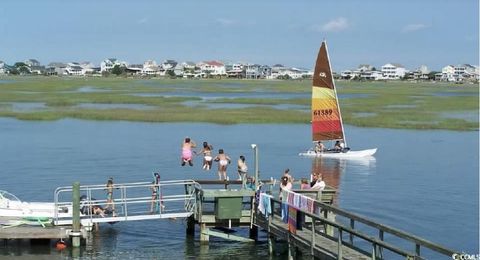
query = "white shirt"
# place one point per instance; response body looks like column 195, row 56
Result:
column 319, row 185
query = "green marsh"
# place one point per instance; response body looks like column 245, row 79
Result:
column 368, row 104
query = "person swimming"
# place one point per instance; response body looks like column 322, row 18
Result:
column 187, row 153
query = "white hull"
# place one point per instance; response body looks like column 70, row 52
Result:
column 348, row 154
column 12, row 207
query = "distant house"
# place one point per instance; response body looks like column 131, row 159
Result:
column 150, row 68
column 252, row 71
column 74, row 69
column 349, row 74
column 108, row 64
column 235, row 70
column 365, row 67
column 32, row 62
column 3, row 69
column 393, row 71
column 465, row 71
column 134, row 69
column 213, row 68
column 39, row 70
column 371, row 75
column 169, row 64
column 56, row 68
column 265, row 71
column 447, row 73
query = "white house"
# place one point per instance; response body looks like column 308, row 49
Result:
column 2, row 67
column 371, row 75
column 393, row 71
column 448, row 73
column 108, row 64
column 350, row 74
column 465, row 71
column 32, row 62
column 74, row 69
column 213, row 68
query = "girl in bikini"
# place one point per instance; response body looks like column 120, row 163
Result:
column 207, row 156
column 223, row 161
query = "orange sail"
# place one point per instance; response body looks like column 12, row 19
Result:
column 326, row 117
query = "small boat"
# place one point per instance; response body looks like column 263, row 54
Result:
column 13, row 207
column 327, row 122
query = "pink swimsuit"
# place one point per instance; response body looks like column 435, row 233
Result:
column 186, row 154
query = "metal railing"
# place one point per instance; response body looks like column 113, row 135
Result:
column 129, row 201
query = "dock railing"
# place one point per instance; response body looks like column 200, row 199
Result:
column 130, row 201
column 377, row 243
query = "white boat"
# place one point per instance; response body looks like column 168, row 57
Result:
column 347, row 154
column 12, row 207
column 327, row 122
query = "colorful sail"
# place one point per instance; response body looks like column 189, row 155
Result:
column 326, row 117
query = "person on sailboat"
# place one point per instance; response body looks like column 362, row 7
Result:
column 337, row 147
column 319, row 147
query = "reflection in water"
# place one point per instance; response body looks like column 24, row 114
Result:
column 332, row 169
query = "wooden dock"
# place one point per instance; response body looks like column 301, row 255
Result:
column 333, row 233
column 35, row 232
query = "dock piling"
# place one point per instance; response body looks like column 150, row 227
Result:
column 76, row 215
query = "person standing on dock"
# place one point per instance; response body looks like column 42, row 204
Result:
column 110, row 205
column 223, row 161
column 242, row 169
column 187, row 151
column 156, row 196
column 207, row 155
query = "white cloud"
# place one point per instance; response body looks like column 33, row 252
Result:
column 414, row 27
column 335, row 25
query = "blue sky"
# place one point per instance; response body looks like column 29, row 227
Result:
column 409, row 32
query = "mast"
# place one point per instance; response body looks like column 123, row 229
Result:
column 336, row 96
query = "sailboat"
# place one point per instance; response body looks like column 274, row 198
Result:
column 327, row 122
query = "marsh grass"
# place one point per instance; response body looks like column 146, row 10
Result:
column 388, row 104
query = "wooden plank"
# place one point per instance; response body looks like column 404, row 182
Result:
column 33, row 232
column 324, row 247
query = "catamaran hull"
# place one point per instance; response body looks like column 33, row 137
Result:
column 348, row 154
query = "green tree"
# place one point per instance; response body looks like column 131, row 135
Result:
column 24, row 70
column 118, row 70
column 171, row 73
column 20, row 64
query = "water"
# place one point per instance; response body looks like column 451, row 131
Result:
column 423, row 182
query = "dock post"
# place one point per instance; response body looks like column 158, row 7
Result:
column 191, row 225
column 76, row 214
column 253, row 234
column 204, row 237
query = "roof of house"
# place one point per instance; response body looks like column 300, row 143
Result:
column 214, row 63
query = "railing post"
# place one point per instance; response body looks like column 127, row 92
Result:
column 352, row 226
column 313, row 242
column 374, row 251
column 417, row 249
column 339, row 254
column 380, row 249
